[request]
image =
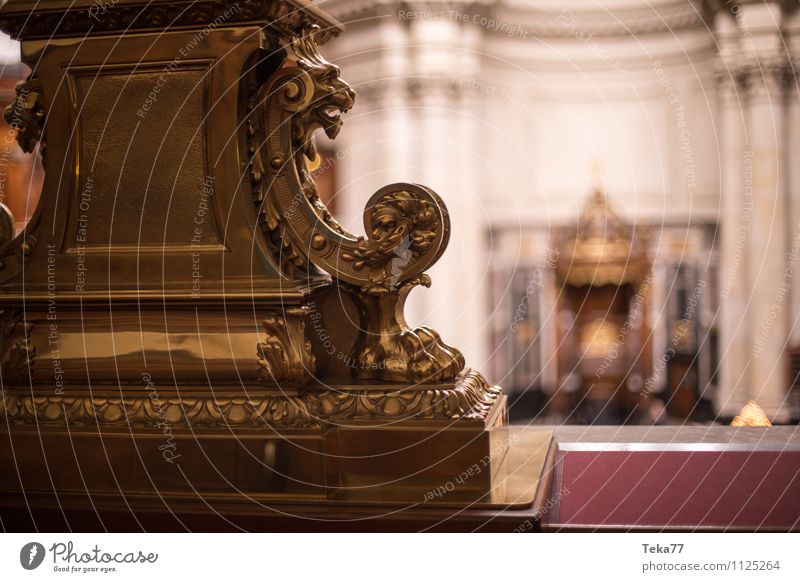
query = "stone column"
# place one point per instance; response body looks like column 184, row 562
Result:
column 415, row 121
column 771, row 266
column 448, row 158
column 757, row 232
column 377, row 132
column 736, row 202
column 791, row 35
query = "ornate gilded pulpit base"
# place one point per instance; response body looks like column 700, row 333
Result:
column 183, row 316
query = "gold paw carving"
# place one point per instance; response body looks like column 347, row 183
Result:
column 388, row 350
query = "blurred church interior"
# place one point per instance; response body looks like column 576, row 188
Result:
column 624, row 186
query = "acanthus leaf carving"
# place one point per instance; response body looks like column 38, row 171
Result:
column 285, row 357
column 469, row 397
column 282, row 411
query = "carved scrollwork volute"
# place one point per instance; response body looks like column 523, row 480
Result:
column 26, row 115
column 407, row 225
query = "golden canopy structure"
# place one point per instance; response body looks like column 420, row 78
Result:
column 602, row 249
column 603, row 266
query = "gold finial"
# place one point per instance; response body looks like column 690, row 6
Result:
column 751, row 415
column 597, row 174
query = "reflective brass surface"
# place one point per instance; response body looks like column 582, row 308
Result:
column 259, row 466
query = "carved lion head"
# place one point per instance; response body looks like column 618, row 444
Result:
column 332, row 97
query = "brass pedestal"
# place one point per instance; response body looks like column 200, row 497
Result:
column 182, row 316
column 192, row 443
column 119, row 482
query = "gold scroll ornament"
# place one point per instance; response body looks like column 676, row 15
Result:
column 407, row 225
